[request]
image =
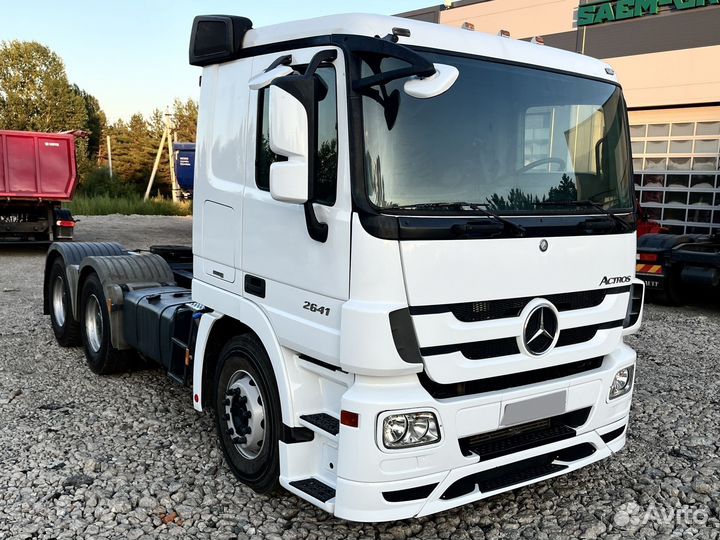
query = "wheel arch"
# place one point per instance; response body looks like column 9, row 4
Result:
column 215, row 331
column 72, row 254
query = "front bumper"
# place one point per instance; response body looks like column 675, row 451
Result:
column 435, row 478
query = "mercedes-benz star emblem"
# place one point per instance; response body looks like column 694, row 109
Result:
column 540, row 330
column 543, row 245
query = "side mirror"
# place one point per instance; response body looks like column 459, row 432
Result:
column 293, row 122
column 289, row 137
column 434, row 85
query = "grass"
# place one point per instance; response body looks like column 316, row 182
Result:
column 102, row 205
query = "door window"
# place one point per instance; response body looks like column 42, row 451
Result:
column 326, row 157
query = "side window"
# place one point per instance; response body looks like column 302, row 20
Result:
column 264, row 157
column 326, row 144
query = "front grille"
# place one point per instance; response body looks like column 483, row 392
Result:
column 636, row 303
column 518, row 472
column 501, row 309
column 583, row 334
column 504, row 382
column 493, row 348
column 477, row 350
column 524, row 436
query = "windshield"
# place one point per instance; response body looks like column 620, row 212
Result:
column 504, row 136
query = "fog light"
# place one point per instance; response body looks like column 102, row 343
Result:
column 410, row 429
column 622, row 382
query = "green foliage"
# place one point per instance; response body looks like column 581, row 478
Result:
column 35, row 94
column 133, row 150
column 185, row 114
column 102, row 205
column 517, row 200
column 135, row 144
column 97, row 182
column 96, row 122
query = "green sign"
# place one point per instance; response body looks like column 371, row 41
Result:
column 618, row 10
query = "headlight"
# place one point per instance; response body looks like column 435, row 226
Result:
column 622, row 382
column 408, row 430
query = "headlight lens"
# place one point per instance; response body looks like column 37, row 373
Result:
column 408, row 430
column 622, row 382
column 395, row 429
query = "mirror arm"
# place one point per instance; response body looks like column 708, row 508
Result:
column 285, row 60
column 360, row 45
column 318, row 231
column 329, row 55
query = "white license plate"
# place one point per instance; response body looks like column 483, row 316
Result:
column 534, row 408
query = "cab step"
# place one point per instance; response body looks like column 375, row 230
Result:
column 322, row 421
column 315, row 489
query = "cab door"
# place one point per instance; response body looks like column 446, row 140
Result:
column 301, row 282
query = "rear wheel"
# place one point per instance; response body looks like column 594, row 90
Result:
column 102, row 357
column 672, row 292
column 247, row 413
column 64, row 325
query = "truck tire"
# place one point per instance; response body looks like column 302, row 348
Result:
column 672, row 293
column 246, row 398
column 101, row 357
column 64, row 325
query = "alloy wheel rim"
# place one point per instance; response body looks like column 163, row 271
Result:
column 93, row 323
column 245, row 414
column 58, row 300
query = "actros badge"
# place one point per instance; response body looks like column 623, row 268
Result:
column 615, row 280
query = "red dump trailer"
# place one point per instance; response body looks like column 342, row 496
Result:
column 37, row 174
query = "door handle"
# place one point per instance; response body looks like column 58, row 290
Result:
column 255, row 285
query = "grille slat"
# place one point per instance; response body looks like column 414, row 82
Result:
column 503, row 382
column 501, row 309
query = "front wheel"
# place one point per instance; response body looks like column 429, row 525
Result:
column 248, row 414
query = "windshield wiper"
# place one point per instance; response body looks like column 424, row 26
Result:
column 477, row 207
column 588, row 204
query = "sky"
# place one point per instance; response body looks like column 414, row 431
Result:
column 133, row 54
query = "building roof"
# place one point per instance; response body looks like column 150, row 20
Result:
column 433, row 36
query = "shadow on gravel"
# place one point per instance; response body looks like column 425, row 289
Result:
column 19, row 248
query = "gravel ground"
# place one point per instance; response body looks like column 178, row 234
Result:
column 83, row 456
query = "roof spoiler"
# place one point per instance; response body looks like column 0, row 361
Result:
column 217, row 38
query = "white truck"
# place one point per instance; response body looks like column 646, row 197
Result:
column 412, row 264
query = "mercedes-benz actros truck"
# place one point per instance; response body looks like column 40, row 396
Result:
column 412, row 264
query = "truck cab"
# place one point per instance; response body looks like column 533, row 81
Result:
column 413, row 262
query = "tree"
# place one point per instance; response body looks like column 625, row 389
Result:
column 35, row 94
column 565, row 191
column 516, row 200
column 185, row 115
column 133, row 150
column 96, row 122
